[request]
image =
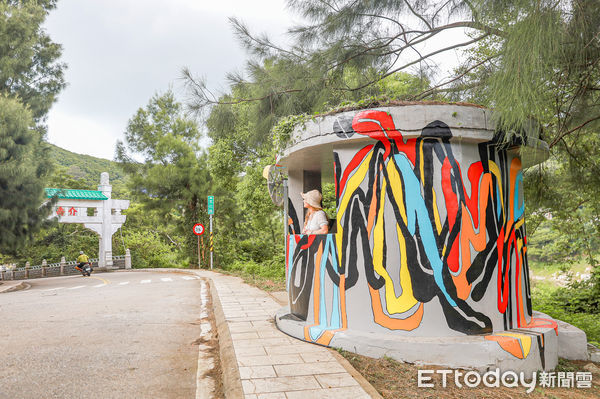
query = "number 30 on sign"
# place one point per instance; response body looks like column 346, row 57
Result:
column 198, row 229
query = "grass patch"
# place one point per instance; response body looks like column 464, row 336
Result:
column 258, row 281
column 543, row 269
column 554, row 301
column 268, row 275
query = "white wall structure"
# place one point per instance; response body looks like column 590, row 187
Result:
column 72, row 207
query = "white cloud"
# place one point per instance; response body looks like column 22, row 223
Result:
column 82, row 134
column 121, row 52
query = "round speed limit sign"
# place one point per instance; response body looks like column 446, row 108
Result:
column 198, row 229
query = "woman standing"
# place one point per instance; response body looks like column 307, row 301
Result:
column 316, row 219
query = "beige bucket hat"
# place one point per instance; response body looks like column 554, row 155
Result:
column 313, row 198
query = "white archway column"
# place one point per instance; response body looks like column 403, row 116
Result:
column 73, row 209
column 105, row 242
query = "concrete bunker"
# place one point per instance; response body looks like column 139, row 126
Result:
column 427, row 260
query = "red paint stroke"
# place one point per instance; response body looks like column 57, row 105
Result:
column 409, row 149
column 453, row 263
column 380, row 126
column 354, row 163
column 474, row 174
column 449, row 195
column 538, row 322
column 287, row 254
column 503, row 275
column 311, row 238
column 519, row 293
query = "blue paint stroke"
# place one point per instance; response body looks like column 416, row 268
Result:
column 335, row 320
column 416, row 212
column 519, row 205
column 498, row 205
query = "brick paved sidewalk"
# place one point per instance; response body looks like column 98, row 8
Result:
column 271, row 364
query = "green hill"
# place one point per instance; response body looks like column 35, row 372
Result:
column 81, row 171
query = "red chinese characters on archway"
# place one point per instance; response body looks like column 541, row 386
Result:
column 72, row 211
column 60, row 211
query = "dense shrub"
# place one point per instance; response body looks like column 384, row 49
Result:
column 149, row 250
column 576, row 305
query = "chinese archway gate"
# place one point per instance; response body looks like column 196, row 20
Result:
column 73, row 205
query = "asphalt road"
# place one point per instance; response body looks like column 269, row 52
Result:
column 112, row 335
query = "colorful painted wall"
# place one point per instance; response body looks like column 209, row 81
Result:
column 430, row 240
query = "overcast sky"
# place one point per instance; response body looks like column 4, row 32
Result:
column 121, row 52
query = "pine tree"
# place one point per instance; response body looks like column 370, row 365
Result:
column 30, row 79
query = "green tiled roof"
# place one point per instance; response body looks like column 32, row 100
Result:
column 66, row 193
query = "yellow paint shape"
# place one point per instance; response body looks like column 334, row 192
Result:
column 436, row 214
column 396, row 186
column 496, row 171
column 422, row 163
column 406, row 300
column 351, row 185
column 519, row 223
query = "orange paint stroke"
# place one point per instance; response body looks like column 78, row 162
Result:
column 327, row 336
column 515, row 168
column 469, row 237
column 316, row 292
column 343, row 301
column 509, row 344
column 408, row 324
column 373, row 207
column 520, row 300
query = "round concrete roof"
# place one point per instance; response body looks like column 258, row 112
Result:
column 311, row 144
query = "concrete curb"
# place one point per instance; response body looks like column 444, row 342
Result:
column 232, row 382
column 10, row 287
column 366, row 385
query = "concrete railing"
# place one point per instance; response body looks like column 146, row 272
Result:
column 63, row 268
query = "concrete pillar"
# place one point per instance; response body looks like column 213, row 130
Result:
column 44, row 267
column 295, row 203
column 127, row 259
column 63, row 263
column 27, row 267
column 105, row 245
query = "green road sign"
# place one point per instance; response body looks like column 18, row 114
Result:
column 211, row 205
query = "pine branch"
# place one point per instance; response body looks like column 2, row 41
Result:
column 560, row 136
column 416, row 14
column 421, row 58
column 434, row 90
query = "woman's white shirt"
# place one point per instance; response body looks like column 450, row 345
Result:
column 316, row 221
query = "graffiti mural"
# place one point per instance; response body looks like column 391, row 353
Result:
column 416, row 238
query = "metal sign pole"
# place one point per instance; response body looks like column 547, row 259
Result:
column 199, row 252
column 211, row 243
column 211, row 211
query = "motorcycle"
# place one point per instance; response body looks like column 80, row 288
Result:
column 86, row 270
